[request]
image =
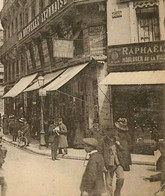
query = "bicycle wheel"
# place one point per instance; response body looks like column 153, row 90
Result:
column 23, row 142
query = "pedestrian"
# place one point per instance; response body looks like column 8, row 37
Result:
column 92, row 183
column 63, row 143
column 53, row 139
column 5, row 124
column 125, row 140
column 12, row 126
column 95, row 131
column 111, row 150
column 25, row 128
column 3, row 152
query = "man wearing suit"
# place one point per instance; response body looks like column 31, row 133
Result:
column 92, row 183
column 111, row 149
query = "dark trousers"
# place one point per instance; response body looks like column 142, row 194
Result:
column 54, row 148
column 119, row 180
column 3, row 186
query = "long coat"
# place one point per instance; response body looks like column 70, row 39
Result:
column 104, row 149
column 63, row 143
column 125, row 141
column 92, row 180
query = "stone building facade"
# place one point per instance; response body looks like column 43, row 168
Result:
column 136, row 68
column 58, row 39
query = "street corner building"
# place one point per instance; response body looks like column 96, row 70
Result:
column 65, row 42
column 100, row 60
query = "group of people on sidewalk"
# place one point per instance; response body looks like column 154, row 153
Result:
column 108, row 155
column 15, row 126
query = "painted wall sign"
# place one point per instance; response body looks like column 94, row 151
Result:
column 117, row 14
column 63, row 48
column 137, row 53
column 42, row 17
column 97, row 40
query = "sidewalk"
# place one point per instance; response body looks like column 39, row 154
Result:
column 77, row 154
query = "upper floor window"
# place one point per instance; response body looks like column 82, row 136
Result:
column 26, row 19
column 16, row 24
column 20, row 20
column 33, row 9
column 148, row 24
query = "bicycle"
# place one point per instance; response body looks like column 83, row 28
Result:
column 22, row 141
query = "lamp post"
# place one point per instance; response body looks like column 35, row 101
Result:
column 42, row 93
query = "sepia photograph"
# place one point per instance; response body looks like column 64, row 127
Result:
column 82, row 97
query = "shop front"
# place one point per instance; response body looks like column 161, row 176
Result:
column 138, row 90
column 71, row 93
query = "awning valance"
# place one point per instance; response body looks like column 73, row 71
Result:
column 67, row 75
column 20, row 86
column 145, row 3
column 134, row 78
column 48, row 78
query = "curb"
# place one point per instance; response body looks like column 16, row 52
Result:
column 71, row 157
column 41, row 153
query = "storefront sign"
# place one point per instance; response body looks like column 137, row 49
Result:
column 42, row 17
column 63, row 48
column 137, row 53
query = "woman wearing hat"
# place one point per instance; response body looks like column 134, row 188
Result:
column 125, row 140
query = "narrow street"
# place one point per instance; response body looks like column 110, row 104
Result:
column 34, row 175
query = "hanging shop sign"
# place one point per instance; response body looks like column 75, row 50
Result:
column 42, row 17
column 42, row 92
column 63, row 48
column 97, row 40
column 137, row 53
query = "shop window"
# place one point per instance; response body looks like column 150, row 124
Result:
column 148, row 24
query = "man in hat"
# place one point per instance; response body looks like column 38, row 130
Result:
column 53, row 139
column 111, row 149
column 92, row 183
column 95, row 131
column 63, row 142
column 125, row 140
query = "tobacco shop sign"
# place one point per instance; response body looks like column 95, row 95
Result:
column 137, row 53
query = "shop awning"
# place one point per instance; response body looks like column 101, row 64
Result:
column 134, row 78
column 65, row 77
column 20, row 86
column 48, row 78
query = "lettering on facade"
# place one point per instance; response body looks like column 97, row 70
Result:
column 42, row 17
column 133, row 53
column 97, row 40
column 117, row 14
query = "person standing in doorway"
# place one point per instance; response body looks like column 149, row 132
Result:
column 111, row 150
column 63, row 143
column 92, row 183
